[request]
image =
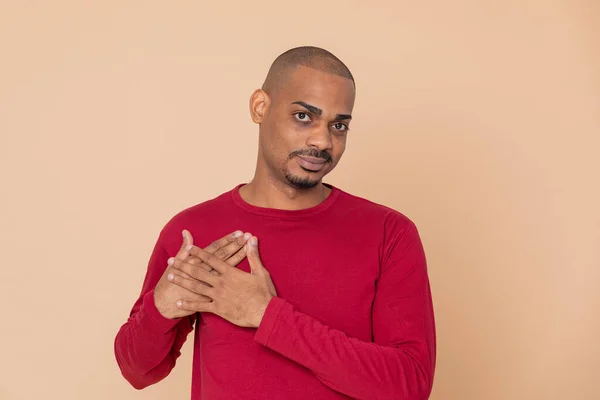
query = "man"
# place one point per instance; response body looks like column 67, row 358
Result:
column 337, row 302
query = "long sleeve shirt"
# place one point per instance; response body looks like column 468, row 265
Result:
column 353, row 317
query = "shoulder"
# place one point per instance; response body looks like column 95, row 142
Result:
column 397, row 234
column 389, row 219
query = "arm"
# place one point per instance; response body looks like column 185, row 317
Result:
column 399, row 363
column 148, row 344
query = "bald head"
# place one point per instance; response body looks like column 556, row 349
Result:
column 307, row 56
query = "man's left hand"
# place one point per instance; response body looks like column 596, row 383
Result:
column 237, row 296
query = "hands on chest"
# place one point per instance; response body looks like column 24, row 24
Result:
column 207, row 280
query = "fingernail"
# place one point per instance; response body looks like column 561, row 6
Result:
column 179, row 303
column 247, row 236
column 188, row 247
column 254, row 241
column 183, row 234
column 171, row 261
column 237, row 234
column 170, row 276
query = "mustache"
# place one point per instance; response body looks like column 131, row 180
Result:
column 312, row 153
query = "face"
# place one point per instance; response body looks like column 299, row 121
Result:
column 303, row 126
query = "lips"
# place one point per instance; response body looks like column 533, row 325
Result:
column 312, row 164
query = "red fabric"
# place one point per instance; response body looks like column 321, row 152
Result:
column 353, row 317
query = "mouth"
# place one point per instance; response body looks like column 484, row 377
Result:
column 311, row 164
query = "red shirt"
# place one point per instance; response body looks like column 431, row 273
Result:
column 353, row 317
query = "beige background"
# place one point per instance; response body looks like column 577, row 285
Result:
column 480, row 120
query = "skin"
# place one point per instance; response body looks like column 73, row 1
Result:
column 309, row 115
column 284, row 130
column 229, row 248
column 237, row 296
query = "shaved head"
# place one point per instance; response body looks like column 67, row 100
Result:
column 307, row 56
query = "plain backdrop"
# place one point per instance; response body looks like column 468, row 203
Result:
column 480, row 120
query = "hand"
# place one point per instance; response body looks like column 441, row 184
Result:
column 229, row 248
column 237, row 296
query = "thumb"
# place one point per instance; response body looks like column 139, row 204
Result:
column 187, row 240
column 256, row 265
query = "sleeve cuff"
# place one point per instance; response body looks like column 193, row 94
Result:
column 268, row 324
column 151, row 318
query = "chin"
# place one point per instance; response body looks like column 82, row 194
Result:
column 303, row 181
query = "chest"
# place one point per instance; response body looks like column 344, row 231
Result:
column 331, row 277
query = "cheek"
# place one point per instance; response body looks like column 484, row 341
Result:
column 339, row 147
column 288, row 137
column 280, row 142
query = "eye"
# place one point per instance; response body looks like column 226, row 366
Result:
column 340, row 126
column 302, row 117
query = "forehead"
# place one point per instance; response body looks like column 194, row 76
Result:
column 330, row 92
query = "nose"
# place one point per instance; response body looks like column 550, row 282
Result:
column 320, row 138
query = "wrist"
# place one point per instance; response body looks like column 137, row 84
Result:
column 261, row 311
column 152, row 319
column 161, row 307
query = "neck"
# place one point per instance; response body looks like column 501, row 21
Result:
column 270, row 193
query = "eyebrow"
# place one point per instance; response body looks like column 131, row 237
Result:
column 318, row 111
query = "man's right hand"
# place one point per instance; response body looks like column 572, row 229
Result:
column 230, row 249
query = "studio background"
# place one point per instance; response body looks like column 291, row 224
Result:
column 480, row 120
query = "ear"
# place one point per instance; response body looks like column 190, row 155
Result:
column 259, row 105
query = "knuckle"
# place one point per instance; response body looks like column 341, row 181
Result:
column 222, row 253
column 178, row 266
column 207, row 269
column 205, row 277
column 190, row 268
column 209, row 259
column 198, row 275
column 194, row 261
column 213, row 247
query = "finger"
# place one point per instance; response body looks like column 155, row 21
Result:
column 193, row 260
column 256, row 265
column 197, row 262
column 171, row 269
column 194, row 271
column 210, row 259
column 224, row 248
column 175, row 267
column 174, row 275
column 228, row 246
column 237, row 258
column 187, row 240
column 196, row 306
column 192, row 285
